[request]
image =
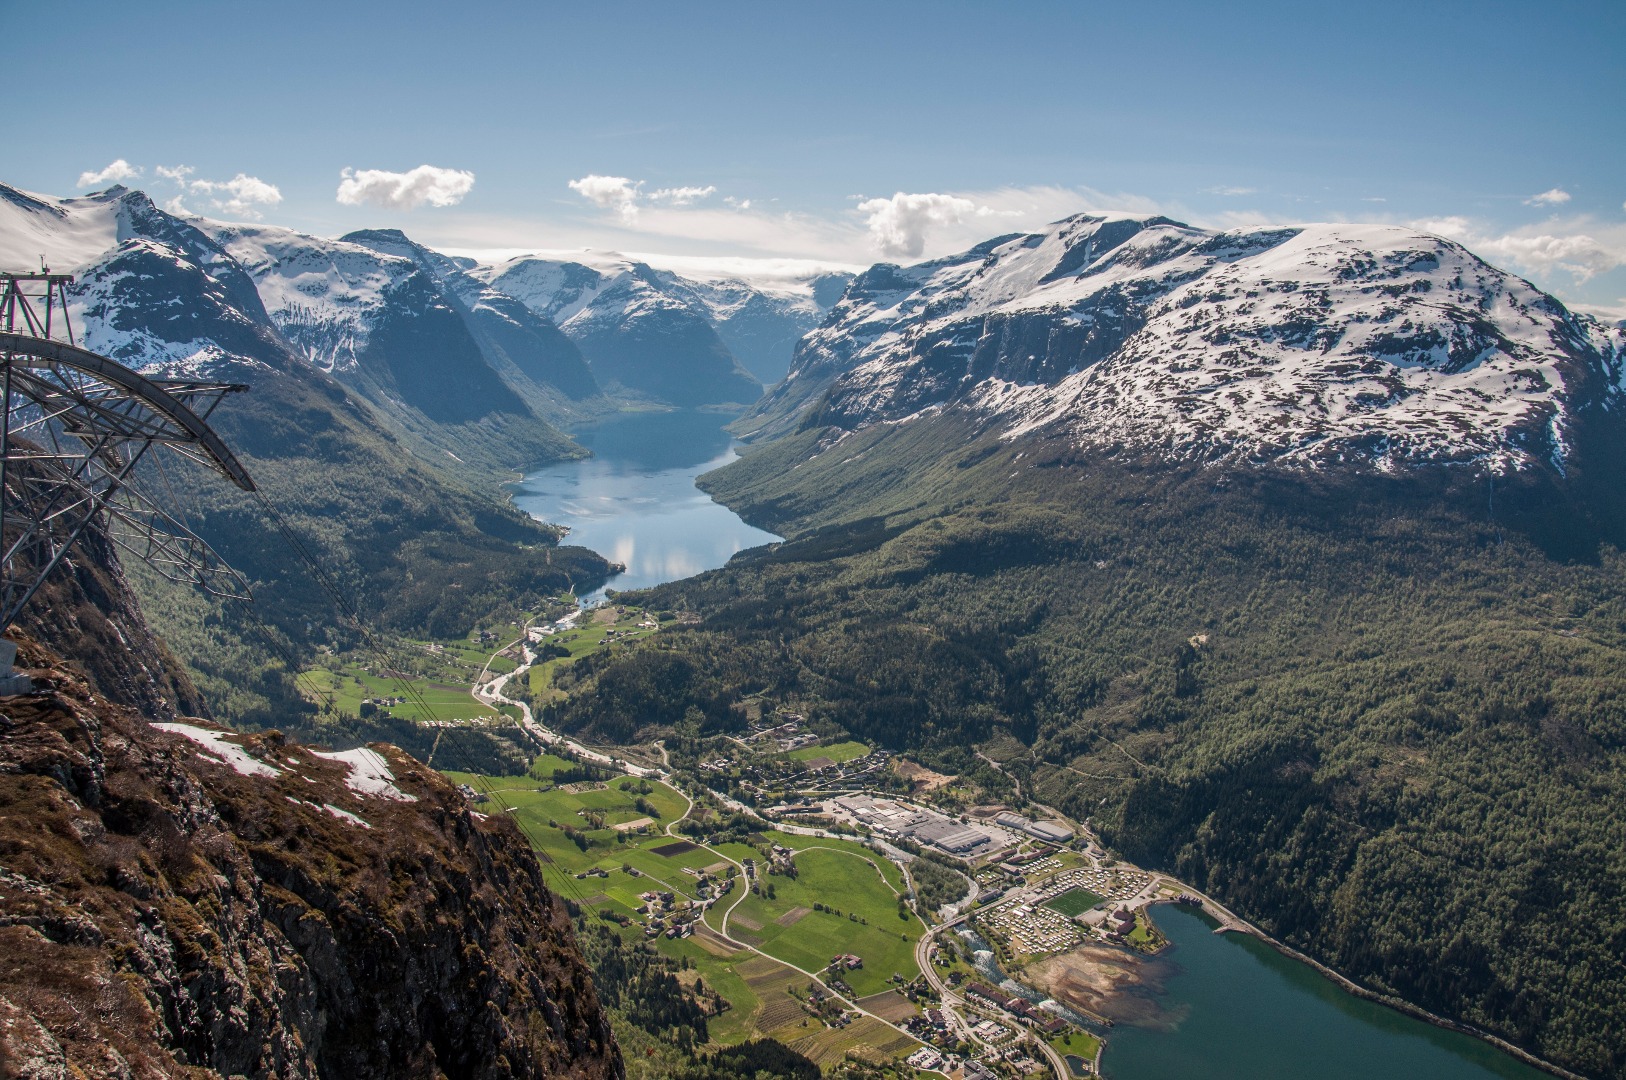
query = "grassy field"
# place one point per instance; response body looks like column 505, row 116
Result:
column 543, row 811
column 836, row 752
column 1081, row 1043
column 764, row 994
column 1074, row 902
column 868, row 925
column 348, row 684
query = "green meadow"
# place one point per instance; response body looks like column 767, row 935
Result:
column 868, row 925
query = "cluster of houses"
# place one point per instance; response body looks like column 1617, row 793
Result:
column 665, row 917
column 925, row 1058
column 847, row 962
column 1116, row 924
column 1019, row 1007
column 788, row 734
column 929, row 1057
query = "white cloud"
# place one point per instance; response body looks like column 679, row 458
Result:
column 242, row 196
column 682, row 196
column 610, row 193
column 627, row 196
column 118, row 172
column 1230, row 191
column 1550, row 197
column 898, row 226
column 1580, row 246
column 738, row 204
column 1579, row 254
column 408, row 190
column 1609, row 313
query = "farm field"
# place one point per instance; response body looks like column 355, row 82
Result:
column 579, row 642
column 345, row 686
column 764, row 993
column 591, row 811
column 868, row 925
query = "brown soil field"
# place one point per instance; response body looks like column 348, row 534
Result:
column 666, row 851
column 889, row 1005
column 793, row 916
column 921, row 777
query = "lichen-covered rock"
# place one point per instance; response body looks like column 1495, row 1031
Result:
column 194, row 902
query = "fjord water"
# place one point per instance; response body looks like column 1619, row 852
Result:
column 1236, row 1009
column 634, row 501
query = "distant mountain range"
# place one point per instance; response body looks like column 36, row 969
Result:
column 626, row 315
column 1376, row 344
column 430, row 340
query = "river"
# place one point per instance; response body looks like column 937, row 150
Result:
column 634, row 501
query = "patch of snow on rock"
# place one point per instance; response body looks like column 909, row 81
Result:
column 215, row 745
column 345, row 814
column 369, row 773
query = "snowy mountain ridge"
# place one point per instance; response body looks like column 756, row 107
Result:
column 590, row 293
column 1303, row 344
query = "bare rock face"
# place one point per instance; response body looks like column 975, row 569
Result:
column 180, row 900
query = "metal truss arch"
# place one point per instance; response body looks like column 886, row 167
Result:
column 77, row 424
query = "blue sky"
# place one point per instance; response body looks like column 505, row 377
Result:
column 843, row 132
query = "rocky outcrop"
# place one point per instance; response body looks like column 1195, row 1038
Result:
column 192, row 902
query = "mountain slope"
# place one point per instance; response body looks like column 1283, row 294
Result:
column 378, row 313
column 417, row 548
column 181, row 901
column 1145, row 335
column 378, row 323
column 1349, row 660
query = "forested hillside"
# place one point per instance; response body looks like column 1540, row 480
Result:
column 1382, row 715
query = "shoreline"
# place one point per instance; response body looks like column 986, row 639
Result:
column 1233, row 925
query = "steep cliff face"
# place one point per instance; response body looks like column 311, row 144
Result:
column 87, row 611
column 178, row 900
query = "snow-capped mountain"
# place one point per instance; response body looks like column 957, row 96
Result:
column 618, row 308
column 374, row 304
column 1143, row 334
column 158, row 292
column 153, row 291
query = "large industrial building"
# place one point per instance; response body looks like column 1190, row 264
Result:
column 1048, row 831
column 894, row 819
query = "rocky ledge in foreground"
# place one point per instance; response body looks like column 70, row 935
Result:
column 179, row 900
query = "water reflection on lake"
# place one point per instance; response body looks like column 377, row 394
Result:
column 634, row 501
column 1233, row 1007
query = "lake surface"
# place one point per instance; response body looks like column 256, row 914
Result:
column 634, row 501
column 1232, row 1008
